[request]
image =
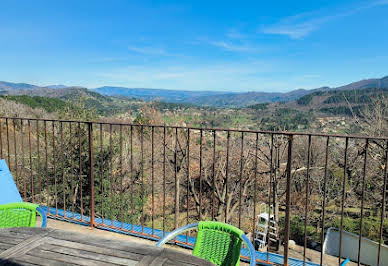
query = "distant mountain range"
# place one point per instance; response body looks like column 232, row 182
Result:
column 222, row 99
column 9, row 86
column 203, row 98
column 206, row 98
column 56, row 86
column 174, row 96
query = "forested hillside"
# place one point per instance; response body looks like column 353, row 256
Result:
column 323, row 111
column 48, row 104
column 220, row 98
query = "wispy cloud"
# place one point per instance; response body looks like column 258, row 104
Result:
column 232, row 47
column 148, row 50
column 235, row 34
column 294, row 30
column 303, row 24
column 380, row 2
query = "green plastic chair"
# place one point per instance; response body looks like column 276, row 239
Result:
column 216, row 242
column 20, row 214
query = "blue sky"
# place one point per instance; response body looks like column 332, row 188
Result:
column 194, row 45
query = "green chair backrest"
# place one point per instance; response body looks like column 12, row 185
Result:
column 20, row 214
column 218, row 243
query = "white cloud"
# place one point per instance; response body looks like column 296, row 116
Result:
column 303, row 24
column 232, row 47
column 229, row 46
column 147, row 50
column 293, row 31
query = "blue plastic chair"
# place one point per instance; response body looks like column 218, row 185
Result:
column 13, row 211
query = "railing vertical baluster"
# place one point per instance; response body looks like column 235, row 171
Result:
column 111, row 180
column 324, row 198
column 241, row 179
column 91, row 173
column 80, row 171
column 176, row 198
column 164, row 180
column 121, row 176
column 307, row 198
column 343, row 199
column 200, row 173
column 288, row 207
column 271, row 177
column 142, row 176
column 132, row 181
column 362, row 200
column 8, row 147
column 102, row 175
column 152, row 178
column 63, row 169
column 55, row 168
column 187, row 181
column 15, row 150
column 214, row 174
column 383, row 204
column 227, row 176
column 254, row 190
column 23, row 162
column 46, row 164
column 274, row 182
column 31, row 172
column 71, row 157
column 38, row 168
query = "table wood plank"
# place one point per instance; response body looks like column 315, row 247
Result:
column 18, row 263
column 158, row 261
column 24, row 246
column 182, row 258
column 11, row 241
column 14, row 235
column 34, row 260
column 5, row 246
column 147, row 260
column 96, row 249
column 55, row 256
column 103, row 258
column 133, row 247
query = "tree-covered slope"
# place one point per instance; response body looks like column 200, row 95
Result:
column 46, row 103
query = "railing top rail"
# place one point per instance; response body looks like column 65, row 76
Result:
column 285, row 133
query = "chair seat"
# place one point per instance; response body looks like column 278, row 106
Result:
column 20, row 214
column 216, row 242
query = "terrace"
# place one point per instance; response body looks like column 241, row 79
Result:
column 146, row 180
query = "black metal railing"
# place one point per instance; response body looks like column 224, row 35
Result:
column 140, row 179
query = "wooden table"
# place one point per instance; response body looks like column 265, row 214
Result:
column 47, row 246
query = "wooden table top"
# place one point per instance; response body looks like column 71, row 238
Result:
column 47, row 246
